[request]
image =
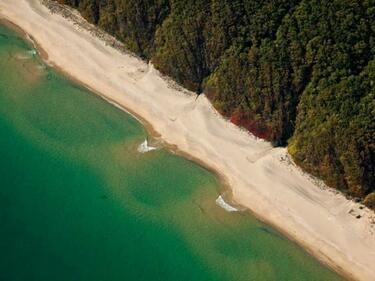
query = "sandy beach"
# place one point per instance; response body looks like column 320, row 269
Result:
column 339, row 232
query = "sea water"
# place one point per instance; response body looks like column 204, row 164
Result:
column 79, row 199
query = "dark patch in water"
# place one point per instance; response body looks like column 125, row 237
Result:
column 3, row 36
column 200, row 207
column 270, row 232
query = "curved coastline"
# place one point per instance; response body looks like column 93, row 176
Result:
column 148, row 96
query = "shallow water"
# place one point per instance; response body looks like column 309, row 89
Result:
column 79, row 201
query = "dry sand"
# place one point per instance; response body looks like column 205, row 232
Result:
column 261, row 178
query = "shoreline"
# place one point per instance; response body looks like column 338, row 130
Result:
column 227, row 193
column 325, row 260
column 242, row 192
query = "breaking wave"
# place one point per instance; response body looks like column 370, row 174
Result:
column 144, row 147
column 32, row 52
column 229, row 208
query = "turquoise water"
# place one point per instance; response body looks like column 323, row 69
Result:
column 79, row 202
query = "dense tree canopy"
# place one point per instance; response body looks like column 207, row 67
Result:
column 297, row 72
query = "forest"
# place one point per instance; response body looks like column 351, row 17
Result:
column 299, row 73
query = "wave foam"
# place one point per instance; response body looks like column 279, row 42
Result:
column 32, row 52
column 221, row 203
column 144, row 147
column 26, row 55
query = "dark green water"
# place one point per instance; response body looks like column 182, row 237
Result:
column 79, row 202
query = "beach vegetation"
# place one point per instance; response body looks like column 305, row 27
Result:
column 295, row 72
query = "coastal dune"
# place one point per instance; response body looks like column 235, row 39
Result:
column 261, row 178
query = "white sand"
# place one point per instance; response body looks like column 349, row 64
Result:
column 262, row 178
